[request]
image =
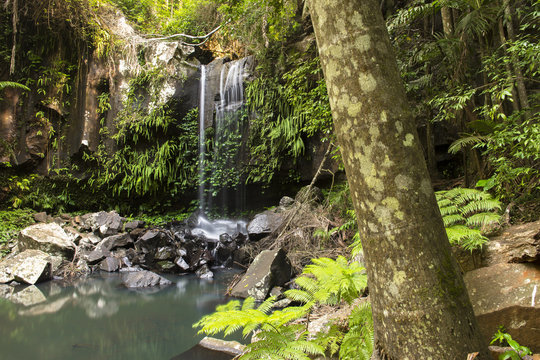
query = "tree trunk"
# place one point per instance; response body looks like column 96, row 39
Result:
column 502, row 38
column 448, row 24
column 421, row 309
column 522, row 91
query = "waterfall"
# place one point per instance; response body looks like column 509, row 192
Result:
column 202, row 145
column 222, row 175
column 228, row 137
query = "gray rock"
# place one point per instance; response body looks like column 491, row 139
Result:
column 98, row 254
column 49, row 238
column 264, row 224
column 132, row 225
column 233, row 348
column 41, row 217
column 270, row 268
column 164, row 253
column 27, row 267
column 144, row 279
column 286, row 201
column 105, row 223
column 204, row 272
column 116, row 241
column 109, row 264
column 508, row 295
column 182, row 264
column 73, row 234
column 519, row 243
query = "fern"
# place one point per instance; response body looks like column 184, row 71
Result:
column 358, row 341
column 465, row 212
column 328, row 281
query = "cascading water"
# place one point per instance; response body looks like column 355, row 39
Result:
column 228, row 138
column 202, row 140
column 222, row 174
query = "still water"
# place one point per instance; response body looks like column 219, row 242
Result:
column 97, row 318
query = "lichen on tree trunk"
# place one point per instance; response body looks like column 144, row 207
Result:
column 420, row 305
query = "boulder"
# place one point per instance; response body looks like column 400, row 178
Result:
column 109, row 264
column 104, row 223
column 27, row 267
column 518, row 243
column 264, row 224
column 116, row 241
column 49, row 238
column 204, row 272
column 98, row 254
column 181, row 263
column 41, row 217
column 508, row 295
column 270, row 268
column 132, row 225
column 144, row 279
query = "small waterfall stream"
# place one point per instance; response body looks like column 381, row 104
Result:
column 202, row 140
column 220, row 184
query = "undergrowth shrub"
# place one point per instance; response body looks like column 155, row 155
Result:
column 465, row 213
column 282, row 334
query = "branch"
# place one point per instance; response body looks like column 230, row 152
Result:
column 205, row 37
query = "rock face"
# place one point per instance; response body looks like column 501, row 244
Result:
column 508, row 295
column 49, row 238
column 145, row 278
column 270, row 268
column 517, row 244
column 28, row 267
column 264, row 224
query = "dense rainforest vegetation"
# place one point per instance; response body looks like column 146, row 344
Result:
column 470, row 69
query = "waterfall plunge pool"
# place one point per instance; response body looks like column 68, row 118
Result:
column 98, row 318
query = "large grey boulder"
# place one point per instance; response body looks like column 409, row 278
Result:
column 49, row 238
column 116, row 241
column 104, row 223
column 27, row 267
column 508, row 295
column 144, row 279
column 270, row 268
column 264, row 224
column 518, row 243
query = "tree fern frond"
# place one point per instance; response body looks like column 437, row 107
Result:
column 449, row 209
column 483, row 205
column 465, row 142
column 12, row 84
column 482, row 219
column 453, row 219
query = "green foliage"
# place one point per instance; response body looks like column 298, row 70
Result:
column 329, row 282
column 278, row 336
column 156, row 154
column 286, row 114
column 12, row 84
column 518, row 351
column 11, row 222
column 358, row 342
column 465, row 212
column 468, row 76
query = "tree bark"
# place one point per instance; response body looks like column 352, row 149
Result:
column 421, row 309
column 520, row 83
column 448, row 24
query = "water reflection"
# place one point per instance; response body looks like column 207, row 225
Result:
column 98, row 318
